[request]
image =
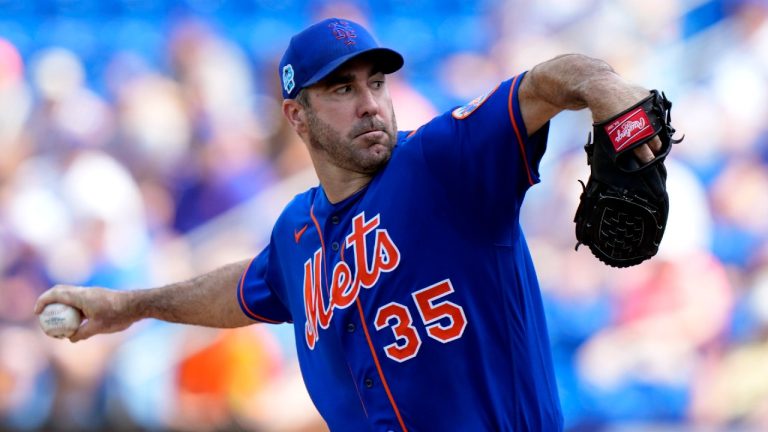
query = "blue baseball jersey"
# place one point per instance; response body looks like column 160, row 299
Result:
column 415, row 303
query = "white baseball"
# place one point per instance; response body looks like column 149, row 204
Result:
column 59, row 320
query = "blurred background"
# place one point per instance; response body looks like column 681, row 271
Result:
column 141, row 143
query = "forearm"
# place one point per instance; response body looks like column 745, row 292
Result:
column 572, row 82
column 207, row 300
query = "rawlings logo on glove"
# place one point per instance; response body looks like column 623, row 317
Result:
column 629, row 128
column 623, row 209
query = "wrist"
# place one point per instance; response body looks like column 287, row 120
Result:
column 609, row 95
column 135, row 304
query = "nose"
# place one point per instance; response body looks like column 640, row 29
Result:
column 368, row 104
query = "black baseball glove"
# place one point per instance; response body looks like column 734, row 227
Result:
column 624, row 205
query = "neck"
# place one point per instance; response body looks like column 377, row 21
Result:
column 339, row 188
column 340, row 183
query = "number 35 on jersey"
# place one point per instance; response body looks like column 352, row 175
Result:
column 443, row 320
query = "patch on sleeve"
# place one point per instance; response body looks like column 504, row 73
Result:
column 463, row 112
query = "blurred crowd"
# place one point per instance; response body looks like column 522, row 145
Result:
column 142, row 143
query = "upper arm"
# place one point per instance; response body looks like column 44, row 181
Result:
column 482, row 152
column 256, row 295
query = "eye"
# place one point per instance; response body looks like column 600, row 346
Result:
column 378, row 84
column 343, row 89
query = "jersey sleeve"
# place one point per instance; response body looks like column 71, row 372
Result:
column 255, row 294
column 481, row 151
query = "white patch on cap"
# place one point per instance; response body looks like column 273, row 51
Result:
column 288, row 83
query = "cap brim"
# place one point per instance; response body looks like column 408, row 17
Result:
column 386, row 60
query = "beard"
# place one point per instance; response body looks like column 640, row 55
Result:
column 365, row 158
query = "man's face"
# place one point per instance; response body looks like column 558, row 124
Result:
column 350, row 118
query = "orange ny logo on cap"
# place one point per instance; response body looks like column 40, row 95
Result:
column 343, row 31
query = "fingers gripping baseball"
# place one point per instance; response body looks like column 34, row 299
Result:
column 101, row 309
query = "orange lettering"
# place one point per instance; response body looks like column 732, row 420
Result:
column 363, row 275
column 314, row 306
column 310, row 306
column 325, row 313
column 341, row 294
column 386, row 255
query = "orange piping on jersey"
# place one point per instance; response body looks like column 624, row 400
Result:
column 412, row 133
column 357, row 389
column 517, row 131
column 322, row 246
column 242, row 298
column 378, row 366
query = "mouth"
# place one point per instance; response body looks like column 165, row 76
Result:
column 373, row 133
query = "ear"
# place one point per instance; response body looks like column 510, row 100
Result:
column 294, row 113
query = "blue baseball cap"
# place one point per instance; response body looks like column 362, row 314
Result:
column 321, row 48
